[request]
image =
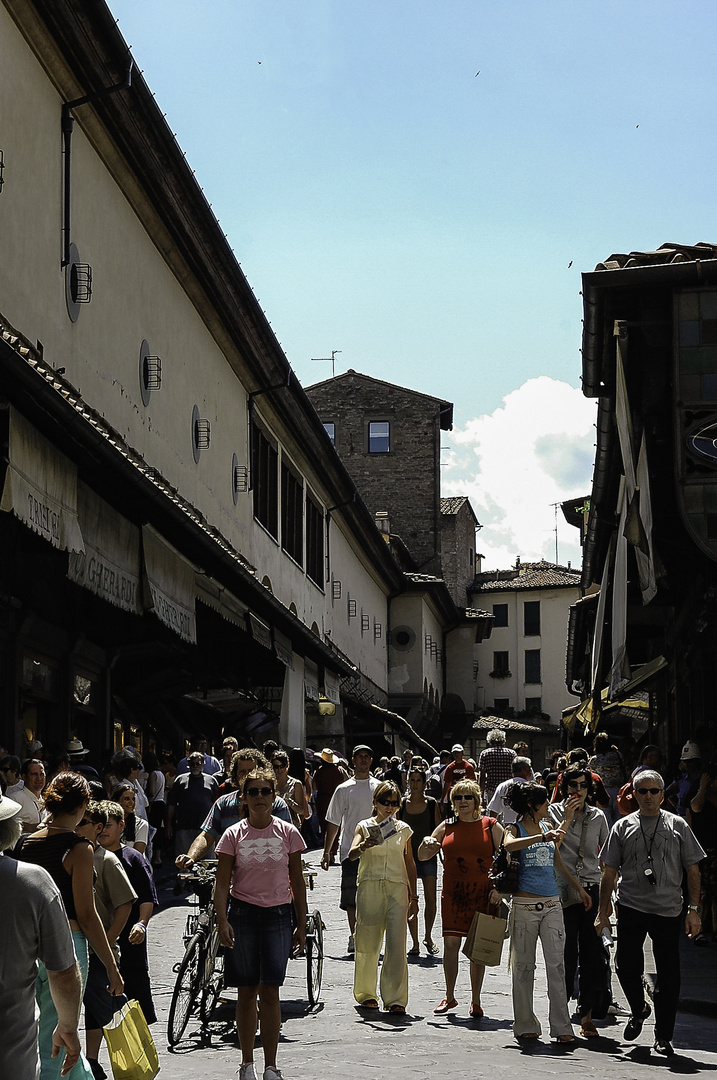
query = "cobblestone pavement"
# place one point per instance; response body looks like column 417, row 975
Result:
column 333, row 1040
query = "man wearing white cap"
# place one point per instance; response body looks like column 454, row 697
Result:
column 34, row 927
column 459, row 769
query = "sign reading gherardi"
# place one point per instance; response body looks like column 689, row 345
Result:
column 110, row 566
column 168, row 586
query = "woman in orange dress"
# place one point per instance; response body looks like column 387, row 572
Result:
column 468, row 842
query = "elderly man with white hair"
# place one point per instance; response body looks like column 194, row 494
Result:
column 650, row 850
column 494, row 764
column 34, row 928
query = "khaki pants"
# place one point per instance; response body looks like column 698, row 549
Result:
column 381, row 907
column 527, row 925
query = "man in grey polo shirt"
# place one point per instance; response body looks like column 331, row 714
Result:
column 34, row 927
column 650, row 849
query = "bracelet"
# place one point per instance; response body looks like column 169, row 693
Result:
column 695, row 907
column 414, row 898
column 140, row 924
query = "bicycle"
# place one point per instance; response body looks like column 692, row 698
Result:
column 314, row 950
column 200, row 972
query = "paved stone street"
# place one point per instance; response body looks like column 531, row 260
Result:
column 334, row 1040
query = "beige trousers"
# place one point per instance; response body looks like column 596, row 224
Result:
column 381, row 907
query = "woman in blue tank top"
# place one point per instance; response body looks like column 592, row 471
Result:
column 536, row 913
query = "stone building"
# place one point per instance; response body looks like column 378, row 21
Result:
column 389, row 439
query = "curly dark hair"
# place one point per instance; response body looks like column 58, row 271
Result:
column 524, row 798
column 66, row 792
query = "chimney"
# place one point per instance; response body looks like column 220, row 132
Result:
column 479, row 561
column 383, row 524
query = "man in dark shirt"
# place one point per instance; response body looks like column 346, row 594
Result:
column 189, row 801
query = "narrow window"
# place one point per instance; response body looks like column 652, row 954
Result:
column 330, row 429
column 500, row 615
column 531, row 617
column 532, row 665
column 265, row 463
column 501, row 665
column 379, row 437
column 292, row 513
column 314, row 541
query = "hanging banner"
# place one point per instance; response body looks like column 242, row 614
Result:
column 110, row 564
column 168, row 585
column 331, row 687
column 41, row 486
column 260, row 631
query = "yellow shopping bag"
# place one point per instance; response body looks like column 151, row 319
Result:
column 133, row 1055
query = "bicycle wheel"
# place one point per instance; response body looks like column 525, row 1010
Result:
column 314, row 955
column 213, row 977
column 186, row 989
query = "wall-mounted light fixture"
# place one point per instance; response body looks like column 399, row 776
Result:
column 201, row 434
column 78, row 284
column 351, row 608
column 2, row 170
column 427, row 642
column 336, row 589
column 365, row 623
column 240, row 478
column 377, row 631
column 150, row 372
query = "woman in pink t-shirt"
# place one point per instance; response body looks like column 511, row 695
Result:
column 259, row 873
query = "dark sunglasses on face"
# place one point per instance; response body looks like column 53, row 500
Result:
column 575, row 784
column 254, row 791
column 388, row 802
column 649, row 791
column 463, row 798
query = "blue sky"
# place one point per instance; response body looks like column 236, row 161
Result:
column 386, row 201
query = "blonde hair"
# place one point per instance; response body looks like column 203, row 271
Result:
column 467, row 787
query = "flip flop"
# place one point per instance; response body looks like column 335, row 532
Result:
column 414, row 951
column 397, row 1010
column 370, row 1003
column 431, row 947
column 445, row 1006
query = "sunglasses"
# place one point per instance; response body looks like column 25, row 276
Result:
column 388, row 802
column 254, row 791
column 649, row 790
column 574, row 784
column 464, row 798
column 85, row 821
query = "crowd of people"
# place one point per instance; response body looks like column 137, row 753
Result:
column 86, row 847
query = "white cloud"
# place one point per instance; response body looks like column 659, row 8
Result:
column 514, row 463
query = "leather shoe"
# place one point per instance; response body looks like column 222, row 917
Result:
column 664, row 1047
column 634, row 1025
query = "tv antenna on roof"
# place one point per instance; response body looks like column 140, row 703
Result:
column 327, row 360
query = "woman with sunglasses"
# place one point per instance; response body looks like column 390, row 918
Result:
column 290, row 789
column 421, row 812
column 586, row 830
column 385, row 897
column 69, row 860
column 536, row 913
column 259, row 863
column 468, row 841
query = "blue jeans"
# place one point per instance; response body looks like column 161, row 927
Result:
column 262, row 942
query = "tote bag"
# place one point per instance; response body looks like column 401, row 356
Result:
column 131, row 1048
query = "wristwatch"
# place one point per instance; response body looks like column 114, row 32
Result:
column 695, row 907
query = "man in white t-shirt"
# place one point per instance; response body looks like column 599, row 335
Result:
column 350, row 803
column 522, row 772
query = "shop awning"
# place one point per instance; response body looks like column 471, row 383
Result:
column 169, row 585
column 110, row 564
column 41, row 486
column 215, row 596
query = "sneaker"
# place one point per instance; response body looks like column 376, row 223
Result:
column 247, row 1071
column 616, row 1009
column 634, row 1024
column 351, row 948
column 664, row 1047
column 272, row 1073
